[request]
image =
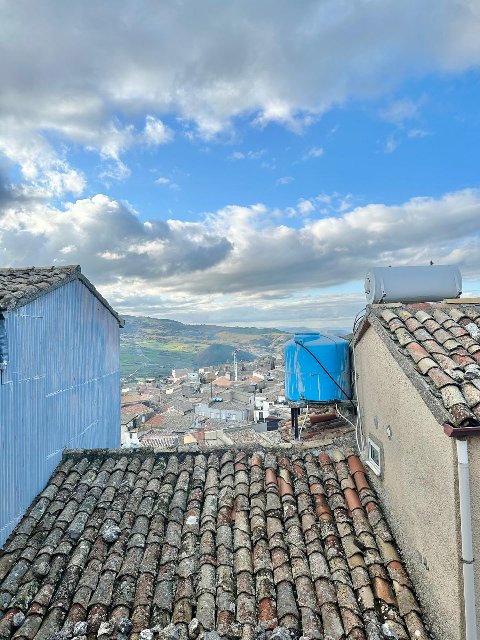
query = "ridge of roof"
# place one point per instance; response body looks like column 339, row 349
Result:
column 233, row 540
column 439, row 344
column 22, row 285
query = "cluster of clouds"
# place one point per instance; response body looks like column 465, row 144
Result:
column 246, row 260
column 89, row 73
column 105, row 77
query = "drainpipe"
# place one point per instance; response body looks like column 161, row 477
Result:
column 467, row 545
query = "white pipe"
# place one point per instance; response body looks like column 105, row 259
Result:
column 467, row 544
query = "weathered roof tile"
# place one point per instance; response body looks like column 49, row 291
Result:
column 297, row 541
column 445, row 347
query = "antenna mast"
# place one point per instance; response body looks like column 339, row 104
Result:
column 235, row 365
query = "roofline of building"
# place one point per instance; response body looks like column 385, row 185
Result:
column 98, row 295
column 191, row 449
column 406, row 364
column 75, row 274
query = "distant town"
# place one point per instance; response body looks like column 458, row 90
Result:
column 219, row 405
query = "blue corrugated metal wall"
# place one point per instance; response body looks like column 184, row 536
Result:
column 61, row 388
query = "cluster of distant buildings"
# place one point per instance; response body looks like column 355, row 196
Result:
column 181, row 408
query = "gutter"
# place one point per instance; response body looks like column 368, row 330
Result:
column 467, row 544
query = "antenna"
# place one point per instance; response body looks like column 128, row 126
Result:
column 235, row 365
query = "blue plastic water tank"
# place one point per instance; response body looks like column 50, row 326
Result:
column 305, row 380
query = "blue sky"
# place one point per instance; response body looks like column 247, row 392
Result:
column 417, row 140
column 243, row 164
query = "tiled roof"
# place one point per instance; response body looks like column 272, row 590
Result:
column 235, row 540
column 173, row 422
column 157, row 420
column 222, row 381
column 159, row 440
column 212, row 424
column 136, row 409
column 18, row 287
column 180, row 404
column 134, row 399
column 249, row 437
column 443, row 343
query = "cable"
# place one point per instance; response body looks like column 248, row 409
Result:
column 359, row 435
column 328, row 374
column 342, row 416
column 358, row 318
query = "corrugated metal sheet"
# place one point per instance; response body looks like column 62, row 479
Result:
column 61, row 388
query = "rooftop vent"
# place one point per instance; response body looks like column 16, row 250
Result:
column 412, row 284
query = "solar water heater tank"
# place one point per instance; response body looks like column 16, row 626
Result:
column 412, row 284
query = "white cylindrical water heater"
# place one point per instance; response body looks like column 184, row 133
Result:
column 412, row 284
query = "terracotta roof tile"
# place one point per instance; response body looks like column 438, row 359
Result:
column 448, row 335
column 412, row 324
column 396, row 323
column 388, row 315
column 432, row 326
column 462, row 415
column 433, row 347
column 231, row 540
column 426, row 364
column 440, row 378
column 445, row 362
column 416, row 351
column 462, row 359
column 403, row 336
column 421, row 315
column 471, row 394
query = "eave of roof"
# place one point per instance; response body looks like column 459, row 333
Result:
column 54, row 277
column 434, row 355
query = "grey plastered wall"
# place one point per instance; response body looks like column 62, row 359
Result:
column 418, row 485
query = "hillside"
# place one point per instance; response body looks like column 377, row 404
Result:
column 217, row 353
column 152, row 346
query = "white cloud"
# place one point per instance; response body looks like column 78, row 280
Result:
column 68, row 70
column 401, row 111
column 314, row 152
column 418, row 133
column 237, row 258
column 285, row 180
column 305, row 206
column 39, row 163
column 156, row 132
column 167, row 183
column 391, row 143
column 248, row 155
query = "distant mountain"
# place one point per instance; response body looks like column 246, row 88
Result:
column 218, row 353
column 337, row 332
column 153, row 346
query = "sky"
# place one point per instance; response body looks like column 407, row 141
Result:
column 240, row 162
